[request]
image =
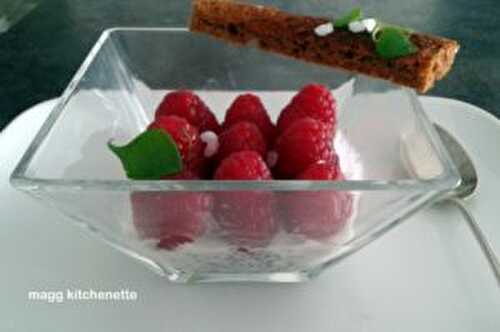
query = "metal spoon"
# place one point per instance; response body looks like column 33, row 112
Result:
column 415, row 150
column 466, row 189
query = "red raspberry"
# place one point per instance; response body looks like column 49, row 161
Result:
column 187, row 139
column 313, row 101
column 317, row 214
column 249, row 107
column 187, row 105
column 245, row 218
column 304, row 143
column 321, row 171
column 242, row 136
column 243, row 165
column 172, row 218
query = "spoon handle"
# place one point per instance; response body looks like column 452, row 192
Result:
column 480, row 237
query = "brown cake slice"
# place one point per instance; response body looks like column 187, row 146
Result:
column 293, row 35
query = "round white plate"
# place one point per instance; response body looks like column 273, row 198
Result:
column 426, row 275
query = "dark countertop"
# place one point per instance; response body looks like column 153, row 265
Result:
column 39, row 55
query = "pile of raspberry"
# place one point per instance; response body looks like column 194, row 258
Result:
column 247, row 146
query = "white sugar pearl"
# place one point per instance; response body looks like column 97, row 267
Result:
column 324, row 29
column 212, row 141
column 370, row 24
column 357, row 27
column 272, row 158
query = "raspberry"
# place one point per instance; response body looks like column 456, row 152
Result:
column 321, row 171
column 242, row 136
column 249, row 107
column 187, row 138
column 187, row 105
column 313, row 101
column 172, row 218
column 245, row 218
column 317, row 214
column 304, row 143
column 243, row 165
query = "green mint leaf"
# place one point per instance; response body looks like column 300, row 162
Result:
column 382, row 25
column 393, row 42
column 355, row 15
column 149, row 156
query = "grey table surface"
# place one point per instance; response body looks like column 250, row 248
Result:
column 39, row 55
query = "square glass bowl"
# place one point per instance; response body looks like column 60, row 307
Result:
column 200, row 231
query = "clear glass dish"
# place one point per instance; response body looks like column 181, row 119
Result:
column 114, row 95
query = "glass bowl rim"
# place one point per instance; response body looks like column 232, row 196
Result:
column 446, row 181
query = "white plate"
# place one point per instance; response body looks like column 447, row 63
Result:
column 426, row 275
